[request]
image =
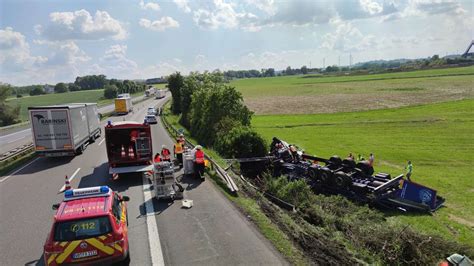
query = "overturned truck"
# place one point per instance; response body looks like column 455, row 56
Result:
column 354, row 180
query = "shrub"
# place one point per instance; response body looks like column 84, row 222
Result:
column 240, row 142
column 110, row 91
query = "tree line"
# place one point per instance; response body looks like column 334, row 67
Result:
column 215, row 114
column 89, row 82
column 8, row 114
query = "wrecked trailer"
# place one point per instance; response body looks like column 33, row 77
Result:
column 354, row 180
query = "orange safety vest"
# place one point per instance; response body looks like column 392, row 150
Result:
column 178, row 148
column 199, row 155
column 165, row 153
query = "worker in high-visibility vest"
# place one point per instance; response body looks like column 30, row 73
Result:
column 182, row 140
column 199, row 162
column 165, row 153
column 178, row 152
column 157, row 158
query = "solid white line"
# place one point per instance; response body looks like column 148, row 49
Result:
column 11, row 141
column 5, row 178
column 153, row 236
column 102, row 141
column 11, row 134
column 70, row 179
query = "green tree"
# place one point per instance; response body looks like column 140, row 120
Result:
column 110, row 91
column 175, row 85
column 304, row 70
column 8, row 115
column 73, row 87
column 60, row 88
column 36, row 91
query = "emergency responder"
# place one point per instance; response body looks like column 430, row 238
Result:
column 178, row 152
column 157, row 158
column 133, row 140
column 182, row 140
column 165, row 153
column 371, row 159
column 199, row 162
column 409, row 169
column 350, row 156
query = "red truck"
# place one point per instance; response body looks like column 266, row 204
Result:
column 129, row 147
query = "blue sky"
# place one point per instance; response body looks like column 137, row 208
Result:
column 53, row 41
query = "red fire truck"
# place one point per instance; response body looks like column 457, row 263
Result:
column 129, row 147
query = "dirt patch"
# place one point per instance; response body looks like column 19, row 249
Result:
column 333, row 103
column 461, row 220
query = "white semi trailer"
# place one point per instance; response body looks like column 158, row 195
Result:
column 64, row 130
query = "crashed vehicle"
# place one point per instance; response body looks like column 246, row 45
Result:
column 354, row 180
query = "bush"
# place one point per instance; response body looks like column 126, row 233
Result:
column 240, row 142
column 36, row 91
column 19, row 95
column 60, row 88
column 110, row 91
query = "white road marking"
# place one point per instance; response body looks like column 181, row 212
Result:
column 153, row 236
column 11, row 141
column 102, row 141
column 15, row 133
column 24, row 166
column 70, row 179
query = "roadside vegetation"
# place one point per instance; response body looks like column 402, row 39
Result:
column 437, row 138
column 331, row 94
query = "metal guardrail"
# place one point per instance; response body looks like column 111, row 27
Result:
column 16, row 152
column 219, row 170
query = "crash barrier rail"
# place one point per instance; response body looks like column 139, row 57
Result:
column 219, row 170
column 12, row 154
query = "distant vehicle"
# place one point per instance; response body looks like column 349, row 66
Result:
column 123, row 104
column 159, row 94
column 129, row 149
column 152, row 111
column 64, row 130
column 90, row 227
column 151, row 119
column 150, row 92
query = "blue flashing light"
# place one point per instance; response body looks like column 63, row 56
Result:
column 104, row 189
column 109, row 123
column 68, row 193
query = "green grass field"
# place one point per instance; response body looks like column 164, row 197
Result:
column 60, row 98
column 303, row 95
column 437, row 138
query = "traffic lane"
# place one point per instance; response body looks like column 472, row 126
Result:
column 213, row 231
column 18, row 136
column 26, row 199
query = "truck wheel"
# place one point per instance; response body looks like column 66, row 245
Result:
column 335, row 160
column 349, row 163
column 80, row 150
column 339, row 179
column 313, row 173
column 325, row 175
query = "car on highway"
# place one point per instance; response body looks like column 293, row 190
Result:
column 150, row 119
column 90, row 227
column 151, row 111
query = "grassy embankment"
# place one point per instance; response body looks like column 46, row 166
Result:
column 306, row 94
column 437, row 138
column 60, row 98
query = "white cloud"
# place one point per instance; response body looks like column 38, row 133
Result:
column 15, row 52
column 64, row 53
column 267, row 6
column 347, row 38
column 183, row 5
column 301, row 13
column 115, row 62
column 159, row 25
column 371, row 7
column 224, row 15
column 149, row 5
column 417, row 8
column 80, row 25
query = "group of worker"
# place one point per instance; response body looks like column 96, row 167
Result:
column 360, row 158
column 178, row 150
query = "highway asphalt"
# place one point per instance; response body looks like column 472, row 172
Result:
column 21, row 135
column 212, row 232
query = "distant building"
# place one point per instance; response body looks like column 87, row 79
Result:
column 155, row 81
column 48, row 88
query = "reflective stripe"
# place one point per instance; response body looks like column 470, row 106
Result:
column 118, row 247
column 99, row 245
column 51, row 258
column 102, row 238
column 62, row 244
column 68, row 251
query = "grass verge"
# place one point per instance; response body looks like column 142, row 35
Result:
column 7, row 167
